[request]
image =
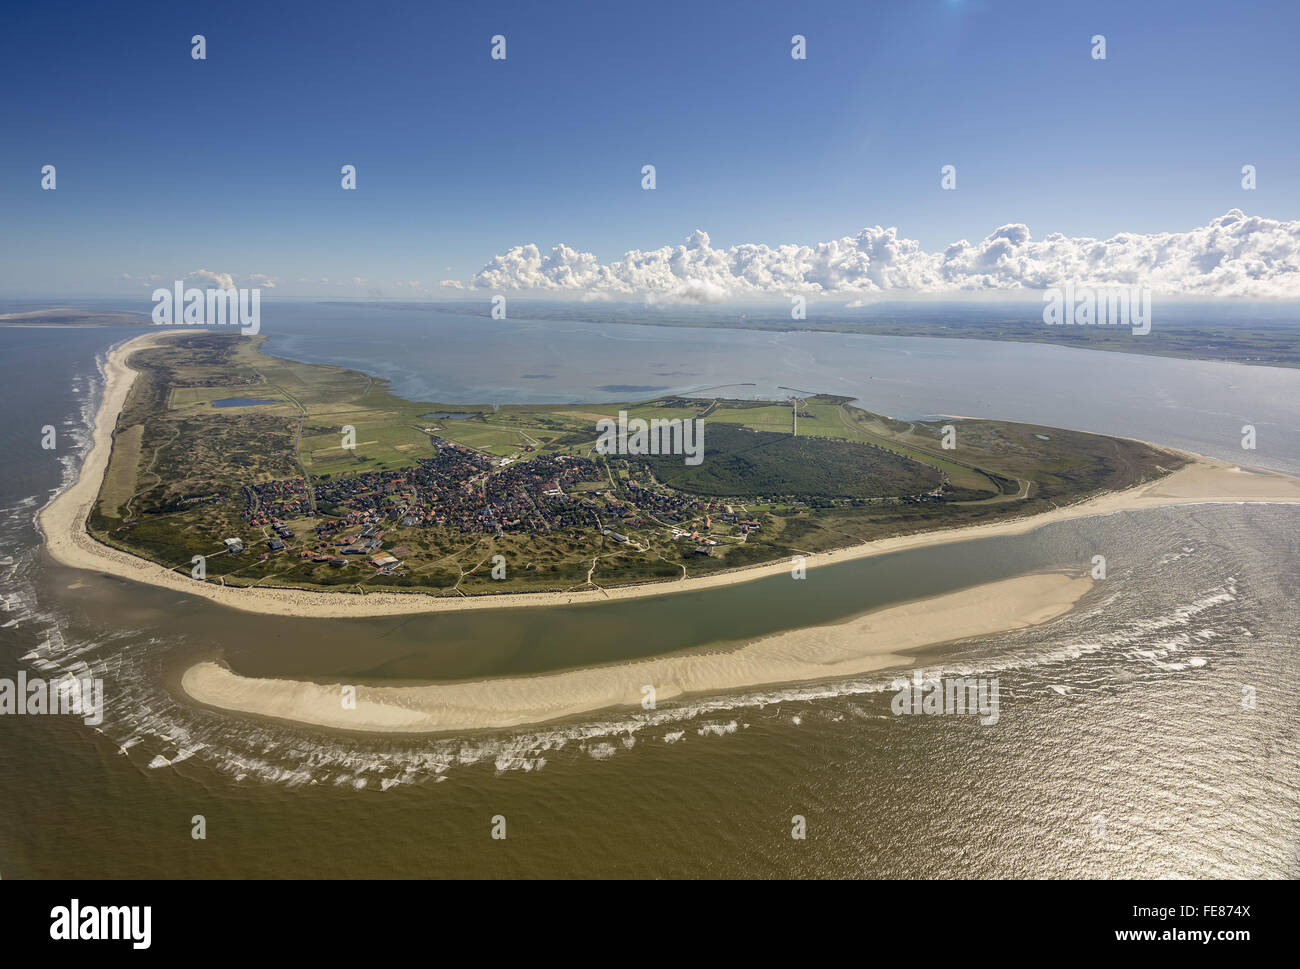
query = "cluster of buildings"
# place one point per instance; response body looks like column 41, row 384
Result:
column 531, row 496
column 701, row 543
column 459, row 488
column 365, row 546
column 284, row 535
column 746, row 525
column 271, row 500
column 414, row 496
column 670, row 506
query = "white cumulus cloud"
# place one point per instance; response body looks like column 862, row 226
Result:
column 1235, row 255
column 223, row 280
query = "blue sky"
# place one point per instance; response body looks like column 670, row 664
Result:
column 166, row 164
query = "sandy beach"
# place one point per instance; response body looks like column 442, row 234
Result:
column 63, row 522
column 869, row 642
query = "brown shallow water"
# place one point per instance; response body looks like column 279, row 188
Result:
column 1122, row 748
column 1129, row 710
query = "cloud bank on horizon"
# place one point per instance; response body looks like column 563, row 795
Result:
column 1234, row 256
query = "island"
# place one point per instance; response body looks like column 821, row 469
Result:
column 279, row 474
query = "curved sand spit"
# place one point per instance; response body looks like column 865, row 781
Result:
column 869, row 642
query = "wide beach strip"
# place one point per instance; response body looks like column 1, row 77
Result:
column 873, row 641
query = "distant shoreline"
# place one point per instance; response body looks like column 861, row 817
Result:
column 1182, row 341
column 63, row 524
column 72, row 319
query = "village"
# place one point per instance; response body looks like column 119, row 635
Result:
column 351, row 517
